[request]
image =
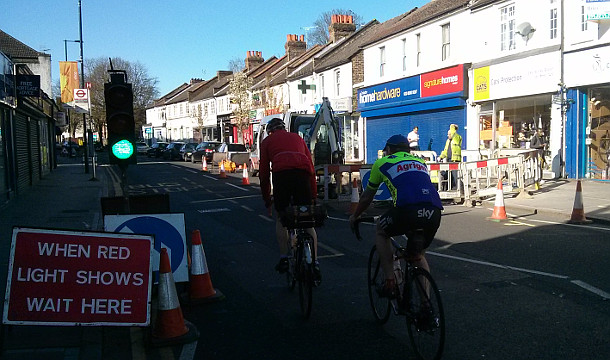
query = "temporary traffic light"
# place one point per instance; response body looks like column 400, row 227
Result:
column 120, row 122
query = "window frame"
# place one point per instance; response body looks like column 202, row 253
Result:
column 446, row 41
column 507, row 28
column 382, row 61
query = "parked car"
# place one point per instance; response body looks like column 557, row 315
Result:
column 172, row 151
column 156, row 149
column 187, row 150
column 206, row 148
column 142, row 147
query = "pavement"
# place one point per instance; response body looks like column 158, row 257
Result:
column 69, row 198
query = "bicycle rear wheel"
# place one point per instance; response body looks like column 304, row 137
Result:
column 305, row 278
column 425, row 317
column 381, row 306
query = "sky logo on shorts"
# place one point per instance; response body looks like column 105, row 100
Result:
column 425, row 213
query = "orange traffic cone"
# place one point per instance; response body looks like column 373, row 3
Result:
column 170, row 327
column 204, row 164
column 578, row 211
column 355, row 197
column 499, row 209
column 222, row 174
column 201, row 289
column 244, row 179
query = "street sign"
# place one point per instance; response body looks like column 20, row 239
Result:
column 61, row 277
column 169, row 232
column 88, row 85
column 81, row 100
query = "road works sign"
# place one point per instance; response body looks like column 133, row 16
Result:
column 78, row 278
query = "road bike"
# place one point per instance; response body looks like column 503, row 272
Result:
column 302, row 255
column 418, row 298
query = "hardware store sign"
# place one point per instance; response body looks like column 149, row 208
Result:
column 399, row 92
column 78, row 278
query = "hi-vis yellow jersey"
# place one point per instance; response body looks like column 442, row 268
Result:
column 407, row 178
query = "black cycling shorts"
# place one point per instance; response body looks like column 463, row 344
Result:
column 399, row 221
column 291, row 187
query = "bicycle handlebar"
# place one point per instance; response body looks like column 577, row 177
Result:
column 368, row 219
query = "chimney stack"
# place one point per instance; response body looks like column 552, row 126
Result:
column 253, row 60
column 340, row 26
column 295, row 46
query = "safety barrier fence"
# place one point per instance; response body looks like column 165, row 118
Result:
column 469, row 182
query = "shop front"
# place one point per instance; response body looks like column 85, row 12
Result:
column 431, row 101
column 514, row 101
column 588, row 116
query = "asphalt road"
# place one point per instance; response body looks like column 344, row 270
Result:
column 533, row 288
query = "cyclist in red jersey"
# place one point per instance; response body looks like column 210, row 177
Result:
column 294, row 181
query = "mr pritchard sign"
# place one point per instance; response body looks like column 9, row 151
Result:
column 28, row 85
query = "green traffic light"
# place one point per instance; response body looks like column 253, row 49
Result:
column 122, row 149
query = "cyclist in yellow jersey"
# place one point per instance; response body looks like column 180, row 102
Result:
column 417, row 205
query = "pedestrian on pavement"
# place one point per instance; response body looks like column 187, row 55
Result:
column 294, row 182
column 537, row 142
column 452, row 152
column 413, row 138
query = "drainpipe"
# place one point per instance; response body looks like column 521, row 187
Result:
column 562, row 162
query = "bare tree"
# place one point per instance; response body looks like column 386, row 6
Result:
column 236, row 64
column 144, row 89
column 319, row 33
column 239, row 90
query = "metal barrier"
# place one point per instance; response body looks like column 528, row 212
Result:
column 480, row 178
column 330, row 170
column 443, row 174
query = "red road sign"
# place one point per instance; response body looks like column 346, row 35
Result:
column 72, row 278
column 88, row 85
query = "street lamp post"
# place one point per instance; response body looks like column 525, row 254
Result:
column 82, row 84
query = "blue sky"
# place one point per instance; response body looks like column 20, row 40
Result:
column 175, row 40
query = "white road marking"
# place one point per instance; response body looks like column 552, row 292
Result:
column 238, row 187
column 188, row 351
column 580, row 283
column 265, row 217
column 247, row 208
column 210, row 177
column 223, row 199
column 591, row 288
column 329, row 249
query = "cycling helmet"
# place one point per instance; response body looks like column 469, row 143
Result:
column 275, row 124
column 398, row 143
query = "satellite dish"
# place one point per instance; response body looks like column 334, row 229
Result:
column 525, row 30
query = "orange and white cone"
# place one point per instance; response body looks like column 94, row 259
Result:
column 204, row 164
column 355, row 197
column 499, row 208
column 578, row 211
column 244, row 179
column 201, row 289
column 170, row 327
column 222, row 174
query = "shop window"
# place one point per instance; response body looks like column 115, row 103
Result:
column 516, row 122
column 598, row 134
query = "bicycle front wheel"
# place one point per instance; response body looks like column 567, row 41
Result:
column 381, row 306
column 305, row 271
column 425, row 318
